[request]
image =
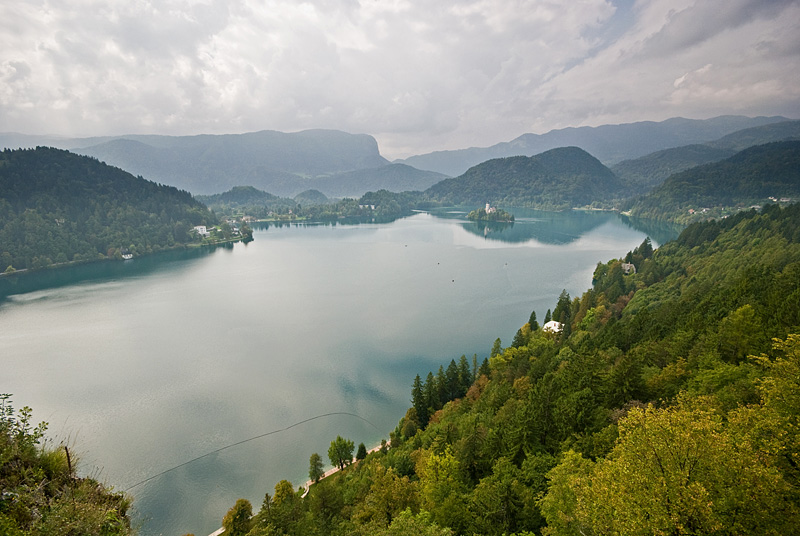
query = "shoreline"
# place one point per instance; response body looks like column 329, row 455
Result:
column 327, row 473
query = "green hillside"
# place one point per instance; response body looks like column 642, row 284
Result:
column 58, row 207
column 646, row 414
column 556, row 179
column 750, row 177
column 643, row 174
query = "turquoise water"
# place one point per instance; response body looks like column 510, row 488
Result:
column 144, row 365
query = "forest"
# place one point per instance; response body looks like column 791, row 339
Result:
column 719, row 189
column 58, row 207
column 668, row 402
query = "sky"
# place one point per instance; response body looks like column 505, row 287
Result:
column 418, row 75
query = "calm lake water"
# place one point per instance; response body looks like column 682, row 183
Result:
column 144, row 365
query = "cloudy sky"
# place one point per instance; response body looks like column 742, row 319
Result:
column 419, row 75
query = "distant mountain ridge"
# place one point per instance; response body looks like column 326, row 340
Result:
column 339, row 164
column 608, row 143
column 215, row 163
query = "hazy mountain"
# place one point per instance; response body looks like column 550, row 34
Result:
column 559, row 178
column 207, row 164
column 609, row 143
column 238, row 195
column 749, row 177
column 742, row 139
column 311, row 197
column 215, row 163
column 394, row 177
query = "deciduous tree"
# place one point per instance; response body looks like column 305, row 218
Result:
column 340, row 452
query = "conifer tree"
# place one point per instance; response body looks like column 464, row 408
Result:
column 532, row 321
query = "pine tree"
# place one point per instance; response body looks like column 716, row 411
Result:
column 419, row 401
column 532, row 321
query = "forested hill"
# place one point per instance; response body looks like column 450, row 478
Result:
column 56, row 207
column 644, row 415
column 643, row 174
column 747, row 178
column 556, row 179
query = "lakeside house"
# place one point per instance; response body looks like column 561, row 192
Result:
column 553, row 327
column 628, row 268
column 202, row 231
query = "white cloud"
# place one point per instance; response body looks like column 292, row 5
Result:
column 419, row 76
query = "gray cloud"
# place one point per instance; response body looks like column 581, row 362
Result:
column 420, row 76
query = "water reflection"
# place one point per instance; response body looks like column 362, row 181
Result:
column 556, row 228
column 659, row 232
column 101, row 272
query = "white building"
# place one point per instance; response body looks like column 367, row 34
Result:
column 552, row 327
column 201, row 230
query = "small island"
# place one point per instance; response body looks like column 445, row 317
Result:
column 490, row 213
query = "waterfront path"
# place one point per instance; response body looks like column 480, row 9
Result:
column 329, row 472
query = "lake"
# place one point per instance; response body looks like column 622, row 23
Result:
column 141, row 366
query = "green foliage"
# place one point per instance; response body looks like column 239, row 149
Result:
column 494, row 214
column 677, row 470
column 381, row 205
column 340, row 452
column 315, row 467
column 534, row 325
column 237, row 521
column 40, row 493
column 58, row 207
column 409, row 524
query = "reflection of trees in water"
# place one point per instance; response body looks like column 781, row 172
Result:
column 659, row 232
column 558, row 227
column 353, row 220
column 546, row 227
column 486, row 227
column 102, row 271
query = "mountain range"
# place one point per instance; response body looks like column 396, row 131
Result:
column 339, row 164
column 610, row 144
